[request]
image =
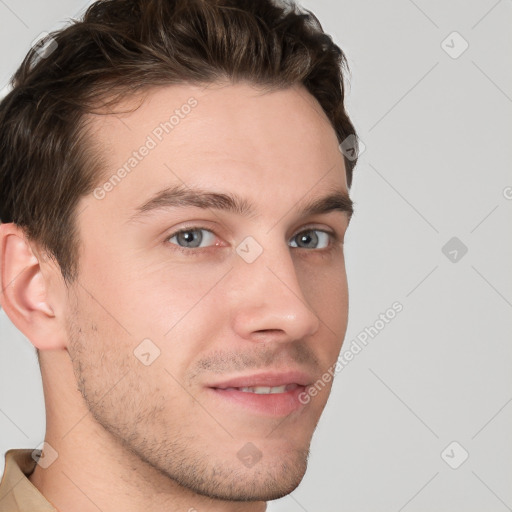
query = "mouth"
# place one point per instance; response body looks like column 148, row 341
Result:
column 266, row 394
column 264, row 390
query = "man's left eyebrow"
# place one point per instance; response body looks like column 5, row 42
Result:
column 336, row 201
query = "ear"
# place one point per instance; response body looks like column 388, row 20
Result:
column 25, row 290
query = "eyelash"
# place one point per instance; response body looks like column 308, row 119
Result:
column 333, row 240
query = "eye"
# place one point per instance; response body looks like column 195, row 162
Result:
column 310, row 239
column 193, row 238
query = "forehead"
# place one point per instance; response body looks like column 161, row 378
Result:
column 276, row 144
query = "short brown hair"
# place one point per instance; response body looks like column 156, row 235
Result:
column 122, row 47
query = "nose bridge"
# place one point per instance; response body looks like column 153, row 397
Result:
column 270, row 299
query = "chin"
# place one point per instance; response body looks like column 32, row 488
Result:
column 263, row 482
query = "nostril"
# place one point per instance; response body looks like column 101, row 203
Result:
column 264, row 335
column 270, row 331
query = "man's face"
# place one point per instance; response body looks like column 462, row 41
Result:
column 235, row 280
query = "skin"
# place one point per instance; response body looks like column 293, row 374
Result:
column 133, row 437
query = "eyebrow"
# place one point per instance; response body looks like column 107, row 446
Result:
column 336, row 201
column 183, row 197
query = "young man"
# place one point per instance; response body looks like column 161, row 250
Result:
column 173, row 203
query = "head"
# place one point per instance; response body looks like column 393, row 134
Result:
column 173, row 205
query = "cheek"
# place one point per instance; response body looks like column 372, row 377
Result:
column 173, row 296
column 151, row 297
column 120, row 390
column 99, row 353
column 325, row 288
column 180, row 308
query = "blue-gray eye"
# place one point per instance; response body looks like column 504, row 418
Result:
column 310, row 239
column 193, row 238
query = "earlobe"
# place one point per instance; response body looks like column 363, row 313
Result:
column 25, row 296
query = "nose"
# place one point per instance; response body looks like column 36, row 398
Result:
column 269, row 303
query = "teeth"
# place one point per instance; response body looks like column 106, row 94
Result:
column 263, row 390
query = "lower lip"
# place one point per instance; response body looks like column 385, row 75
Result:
column 271, row 404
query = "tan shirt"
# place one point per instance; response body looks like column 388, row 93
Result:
column 17, row 493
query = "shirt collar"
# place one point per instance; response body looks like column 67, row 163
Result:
column 17, row 492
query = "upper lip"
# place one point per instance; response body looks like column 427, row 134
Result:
column 270, row 379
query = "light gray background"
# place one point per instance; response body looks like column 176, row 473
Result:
column 437, row 132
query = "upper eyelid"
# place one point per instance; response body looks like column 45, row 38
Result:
column 331, row 232
column 189, row 228
column 184, row 230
